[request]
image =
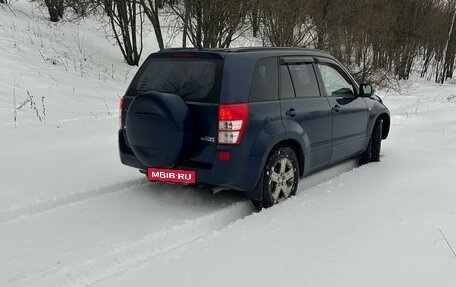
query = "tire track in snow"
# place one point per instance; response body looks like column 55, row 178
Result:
column 133, row 254
column 129, row 255
column 58, row 201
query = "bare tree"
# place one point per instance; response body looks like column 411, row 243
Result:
column 283, row 23
column 211, row 23
column 126, row 18
column 55, row 8
column 448, row 54
column 151, row 9
column 106, row 5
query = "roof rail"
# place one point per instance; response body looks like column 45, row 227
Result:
column 243, row 49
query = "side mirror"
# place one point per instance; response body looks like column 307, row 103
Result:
column 366, row 90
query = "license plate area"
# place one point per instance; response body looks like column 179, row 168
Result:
column 171, row 175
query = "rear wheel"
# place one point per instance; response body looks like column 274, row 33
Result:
column 280, row 177
column 372, row 153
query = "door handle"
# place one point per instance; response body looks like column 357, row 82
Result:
column 336, row 108
column 291, row 112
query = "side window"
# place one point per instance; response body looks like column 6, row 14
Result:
column 304, row 80
column 286, row 86
column 265, row 81
column 335, row 83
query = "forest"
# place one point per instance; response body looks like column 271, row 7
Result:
column 381, row 41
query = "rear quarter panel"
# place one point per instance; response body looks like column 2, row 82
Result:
column 238, row 73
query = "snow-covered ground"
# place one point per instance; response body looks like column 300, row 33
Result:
column 72, row 215
column 376, row 225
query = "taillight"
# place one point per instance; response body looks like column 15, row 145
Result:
column 121, row 105
column 232, row 122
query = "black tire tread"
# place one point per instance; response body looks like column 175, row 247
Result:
column 267, row 200
column 372, row 153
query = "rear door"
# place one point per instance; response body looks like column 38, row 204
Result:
column 304, row 111
column 196, row 78
column 349, row 112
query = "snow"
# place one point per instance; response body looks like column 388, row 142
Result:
column 79, row 115
column 376, row 225
column 72, row 215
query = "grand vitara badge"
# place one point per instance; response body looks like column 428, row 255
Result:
column 208, row 139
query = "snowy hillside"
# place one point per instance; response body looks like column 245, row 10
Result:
column 72, row 215
column 65, row 82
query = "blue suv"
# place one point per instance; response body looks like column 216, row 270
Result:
column 248, row 119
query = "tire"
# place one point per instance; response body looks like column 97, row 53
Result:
column 372, row 153
column 279, row 179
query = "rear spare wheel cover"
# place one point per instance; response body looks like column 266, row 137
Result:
column 159, row 129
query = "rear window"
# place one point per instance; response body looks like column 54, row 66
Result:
column 191, row 79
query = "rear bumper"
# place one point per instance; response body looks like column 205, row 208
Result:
column 239, row 172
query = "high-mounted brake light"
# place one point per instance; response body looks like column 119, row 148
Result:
column 183, row 55
column 232, row 122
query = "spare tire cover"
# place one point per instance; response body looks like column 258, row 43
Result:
column 159, row 129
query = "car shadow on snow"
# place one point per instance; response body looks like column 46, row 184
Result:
column 177, row 195
column 184, row 196
column 328, row 173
